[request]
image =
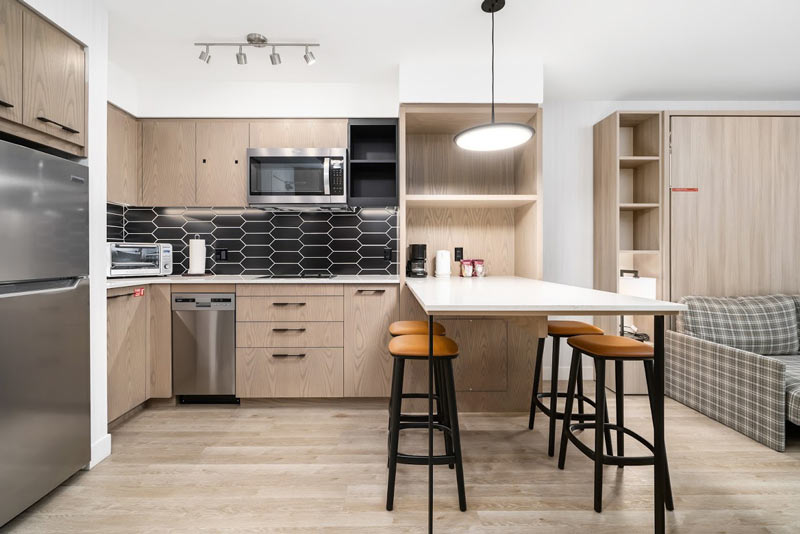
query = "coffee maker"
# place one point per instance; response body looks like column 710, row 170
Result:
column 415, row 267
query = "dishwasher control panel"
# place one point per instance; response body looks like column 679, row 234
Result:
column 203, row 301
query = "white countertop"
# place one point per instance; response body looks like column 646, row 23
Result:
column 515, row 295
column 240, row 279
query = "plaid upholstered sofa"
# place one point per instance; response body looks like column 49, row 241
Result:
column 736, row 359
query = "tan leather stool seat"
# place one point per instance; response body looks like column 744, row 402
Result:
column 611, row 347
column 416, row 346
column 409, row 328
column 572, row 328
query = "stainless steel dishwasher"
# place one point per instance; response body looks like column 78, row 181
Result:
column 204, row 347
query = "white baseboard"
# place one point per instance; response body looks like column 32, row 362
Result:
column 101, row 449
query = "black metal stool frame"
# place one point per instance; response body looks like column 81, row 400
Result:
column 568, row 429
column 447, row 422
column 554, row 395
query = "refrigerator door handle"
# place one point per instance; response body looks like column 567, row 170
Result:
column 39, row 288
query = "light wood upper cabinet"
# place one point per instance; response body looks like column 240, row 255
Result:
column 168, row 163
column 369, row 310
column 11, row 60
column 127, row 351
column 124, row 157
column 298, row 133
column 54, row 81
column 222, row 163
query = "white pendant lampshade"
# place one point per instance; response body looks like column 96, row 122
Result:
column 494, row 135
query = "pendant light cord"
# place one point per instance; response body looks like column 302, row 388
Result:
column 492, row 66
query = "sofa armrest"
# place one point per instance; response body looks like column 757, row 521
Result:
column 740, row 389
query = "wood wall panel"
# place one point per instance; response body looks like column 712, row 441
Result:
column 484, row 233
column 124, row 152
column 222, row 163
column 159, row 342
column 298, row 133
column 11, row 59
column 369, row 310
column 54, row 80
column 739, row 234
column 168, row 162
column 317, row 374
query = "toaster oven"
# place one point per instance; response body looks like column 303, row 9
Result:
column 139, row 259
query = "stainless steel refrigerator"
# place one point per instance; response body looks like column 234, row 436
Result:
column 44, row 324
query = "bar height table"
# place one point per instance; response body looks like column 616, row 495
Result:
column 517, row 296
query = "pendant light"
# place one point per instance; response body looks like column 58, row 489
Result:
column 494, row 135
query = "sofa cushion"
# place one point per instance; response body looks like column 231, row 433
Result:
column 765, row 325
column 792, row 386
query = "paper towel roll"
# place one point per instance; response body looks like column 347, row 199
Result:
column 197, row 256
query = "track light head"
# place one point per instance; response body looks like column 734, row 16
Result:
column 204, row 55
column 241, row 57
column 309, row 57
column 275, row 57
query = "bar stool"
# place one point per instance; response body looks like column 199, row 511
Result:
column 601, row 349
column 445, row 350
column 410, row 328
column 558, row 330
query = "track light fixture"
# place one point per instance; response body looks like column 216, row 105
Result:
column 275, row 57
column 309, row 57
column 257, row 40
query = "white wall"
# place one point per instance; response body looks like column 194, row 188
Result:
column 87, row 21
column 568, row 179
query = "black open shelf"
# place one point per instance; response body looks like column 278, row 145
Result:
column 372, row 149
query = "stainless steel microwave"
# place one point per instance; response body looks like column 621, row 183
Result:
column 139, row 259
column 297, row 178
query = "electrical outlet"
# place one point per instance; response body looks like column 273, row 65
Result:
column 387, row 253
column 459, row 254
column 221, row 254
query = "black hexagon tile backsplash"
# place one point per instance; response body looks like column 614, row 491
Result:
column 264, row 243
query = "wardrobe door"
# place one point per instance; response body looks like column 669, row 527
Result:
column 735, row 222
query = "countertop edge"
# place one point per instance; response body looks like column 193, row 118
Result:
column 114, row 283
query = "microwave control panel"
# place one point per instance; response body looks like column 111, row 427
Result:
column 337, row 177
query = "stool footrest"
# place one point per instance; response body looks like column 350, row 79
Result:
column 405, row 418
column 404, row 425
column 560, row 415
column 419, row 459
column 418, row 396
column 607, row 459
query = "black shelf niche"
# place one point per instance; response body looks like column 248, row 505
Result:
column 372, row 150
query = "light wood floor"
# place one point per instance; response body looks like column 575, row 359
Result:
column 320, row 467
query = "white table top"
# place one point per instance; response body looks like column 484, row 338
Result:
column 512, row 295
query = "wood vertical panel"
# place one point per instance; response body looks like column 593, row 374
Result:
column 369, row 310
column 11, row 59
column 222, row 163
column 127, row 347
column 606, row 213
column 298, row 133
column 123, row 172
column 168, row 162
column 159, row 342
column 54, row 80
column 739, row 234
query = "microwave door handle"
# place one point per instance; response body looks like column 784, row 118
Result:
column 326, row 176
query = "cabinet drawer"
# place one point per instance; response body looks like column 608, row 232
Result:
column 290, row 309
column 288, row 290
column 289, row 372
column 283, row 334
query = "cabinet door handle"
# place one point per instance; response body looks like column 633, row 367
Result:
column 372, row 291
column 282, row 330
column 285, row 355
column 6, row 104
column 63, row 127
column 288, row 303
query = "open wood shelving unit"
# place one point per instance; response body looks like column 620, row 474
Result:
column 489, row 204
column 628, row 211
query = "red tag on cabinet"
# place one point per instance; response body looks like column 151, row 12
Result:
column 684, row 189
column 138, row 292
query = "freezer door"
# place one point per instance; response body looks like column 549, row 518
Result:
column 44, row 389
column 44, row 215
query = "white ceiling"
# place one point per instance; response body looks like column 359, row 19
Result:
column 591, row 49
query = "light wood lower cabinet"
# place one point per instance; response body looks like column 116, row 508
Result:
column 289, row 334
column 369, row 310
column 288, row 372
column 127, row 351
column 159, row 342
column 312, row 308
